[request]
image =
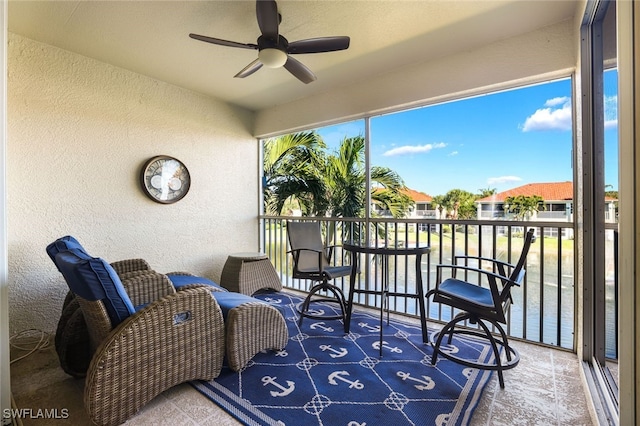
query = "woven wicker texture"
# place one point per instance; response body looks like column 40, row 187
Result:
column 130, row 265
column 248, row 273
column 251, row 328
column 97, row 320
column 144, row 288
column 72, row 339
column 175, row 339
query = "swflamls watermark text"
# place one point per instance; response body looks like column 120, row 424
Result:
column 38, row 413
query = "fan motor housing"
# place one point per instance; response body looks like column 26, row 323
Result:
column 269, row 43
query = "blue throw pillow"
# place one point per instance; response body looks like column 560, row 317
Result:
column 92, row 279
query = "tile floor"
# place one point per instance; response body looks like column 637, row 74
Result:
column 544, row 389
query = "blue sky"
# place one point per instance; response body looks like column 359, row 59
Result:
column 501, row 140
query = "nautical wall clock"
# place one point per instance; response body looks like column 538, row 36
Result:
column 165, row 179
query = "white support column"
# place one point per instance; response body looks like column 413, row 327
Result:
column 628, row 24
column 5, row 382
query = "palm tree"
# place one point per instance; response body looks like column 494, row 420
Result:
column 290, row 172
column 523, row 206
column 486, row 192
column 438, row 201
column 458, row 204
column 296, row 166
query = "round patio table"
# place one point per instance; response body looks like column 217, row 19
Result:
column 356, row 250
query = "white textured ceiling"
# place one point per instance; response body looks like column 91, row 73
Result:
column 151, row 37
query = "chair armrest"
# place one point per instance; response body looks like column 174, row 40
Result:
column 296, row 254
column 130, row 265
column 503, row 267
column 147, row 288
column 132, row 274
column 176, row 339
column 305, row 249
column 491, row 276
column 472, row 269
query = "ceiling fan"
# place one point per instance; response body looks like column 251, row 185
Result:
column 274, row 50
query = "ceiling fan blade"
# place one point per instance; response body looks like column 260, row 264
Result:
column 268, row 19
column 299, row 70
column 223, row 42
column 249, row 69
column 318, row 45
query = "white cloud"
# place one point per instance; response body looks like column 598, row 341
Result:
column 503, row 179
column 556, row 116
column 557, row 101
column 452, row 153
column 413, row 149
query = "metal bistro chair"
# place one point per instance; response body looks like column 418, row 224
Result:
column 480, row 305
column 312, row 261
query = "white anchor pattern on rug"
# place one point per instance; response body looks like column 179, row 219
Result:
column 325, row 377
column 320, row 326
column 284, row 391
column 341, row 375
column 336, row 353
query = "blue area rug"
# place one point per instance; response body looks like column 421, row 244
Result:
column 325, row 377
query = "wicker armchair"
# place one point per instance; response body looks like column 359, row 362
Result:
column 145, row 337
column 72, row 337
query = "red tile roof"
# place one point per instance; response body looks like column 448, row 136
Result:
column 417, row 196
column 549, row 191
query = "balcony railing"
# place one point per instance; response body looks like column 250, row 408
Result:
column 544, row 307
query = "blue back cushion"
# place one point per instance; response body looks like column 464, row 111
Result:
column 92, row 279
column 65, row 243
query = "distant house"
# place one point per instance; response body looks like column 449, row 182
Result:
column 422, row 208
column 556, row 207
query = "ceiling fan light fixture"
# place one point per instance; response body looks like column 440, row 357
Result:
column 274, row 50
column 272, row 58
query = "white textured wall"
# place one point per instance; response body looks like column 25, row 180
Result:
column 548, row 52
column 78, row 133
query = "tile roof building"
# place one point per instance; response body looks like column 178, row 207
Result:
column 557, row 204
column 549, row 191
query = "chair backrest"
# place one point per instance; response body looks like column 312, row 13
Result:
column 93, row 279
column 306, row 235
column 517, row 274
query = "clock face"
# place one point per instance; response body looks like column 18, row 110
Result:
column 165, row 179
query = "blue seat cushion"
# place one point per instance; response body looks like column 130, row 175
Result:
column 94, row 279
column 229, row 300
column 470, row 293
column 337, row 271
column 65, row 243
column 182, row 280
